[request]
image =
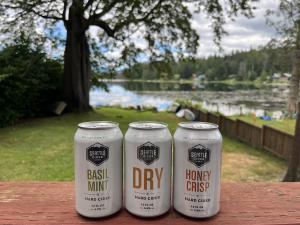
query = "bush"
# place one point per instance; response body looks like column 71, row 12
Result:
column 29, row 82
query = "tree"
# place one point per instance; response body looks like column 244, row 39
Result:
column 242, row 72
column 187, row 71
column 164, row 25
column 293, row 172
column 289, row 30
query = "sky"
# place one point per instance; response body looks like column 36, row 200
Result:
column 243, row 33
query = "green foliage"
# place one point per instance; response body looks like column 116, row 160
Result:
column 242, row 66
column 286, row 22
column 263, row 76
column 149, row 71
column 29, row 81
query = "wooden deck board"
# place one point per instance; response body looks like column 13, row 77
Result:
column 241, row 203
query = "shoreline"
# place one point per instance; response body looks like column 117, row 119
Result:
column 228, row 82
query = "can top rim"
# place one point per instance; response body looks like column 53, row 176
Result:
column 98, row 125
column 148, row 125
column 198, row 125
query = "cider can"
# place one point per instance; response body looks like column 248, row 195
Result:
column 148, row 159
column 197, row 169
column 98, row 168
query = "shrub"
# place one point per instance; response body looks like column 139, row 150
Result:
column 29, row 82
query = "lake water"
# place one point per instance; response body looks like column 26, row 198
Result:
column 226, row 99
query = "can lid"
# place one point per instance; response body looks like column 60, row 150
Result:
column 148, row 125
column 98, row 125
column 198, row 125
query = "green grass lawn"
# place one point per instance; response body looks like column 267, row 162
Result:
column 286, row 125
column 42, row 149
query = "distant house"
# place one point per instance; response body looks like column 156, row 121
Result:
column 199, row 78
column 287, row 76
column 276, row 76
column 281, row 76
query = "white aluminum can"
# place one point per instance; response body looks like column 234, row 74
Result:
column 148, row 159
column 197, row 169
column 98, row 168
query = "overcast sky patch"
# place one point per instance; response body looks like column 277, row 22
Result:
column 243, row 33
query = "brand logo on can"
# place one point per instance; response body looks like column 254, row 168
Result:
column 97, row 153
column 148, row 153
column 199, row 155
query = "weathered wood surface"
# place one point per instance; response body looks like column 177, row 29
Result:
column 241, row 203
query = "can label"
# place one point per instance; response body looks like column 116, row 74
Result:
column 97, row 153
column 200, row 180
column 197, row 178
column 148, row 174
column 98, row 178
column 94, row 178
column 147, row 178
column 199, row 155
column 148, row 153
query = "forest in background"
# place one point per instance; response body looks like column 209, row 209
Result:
column 255, row 64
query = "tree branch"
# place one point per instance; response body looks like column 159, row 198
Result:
column 46, row 16
column 104, row 26
column 88, row 4
column 29, row 8
column 94, row 19
column 133, row 19
column 65, row 10
column 105, row 10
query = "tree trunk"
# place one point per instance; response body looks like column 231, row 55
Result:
column 77, row 68
column 294, row 82
column 293, row 172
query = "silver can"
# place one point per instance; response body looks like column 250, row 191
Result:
column 197, row 169
column 98, row 168
column 148, row 159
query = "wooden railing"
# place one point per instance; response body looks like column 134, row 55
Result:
column 273, row 140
